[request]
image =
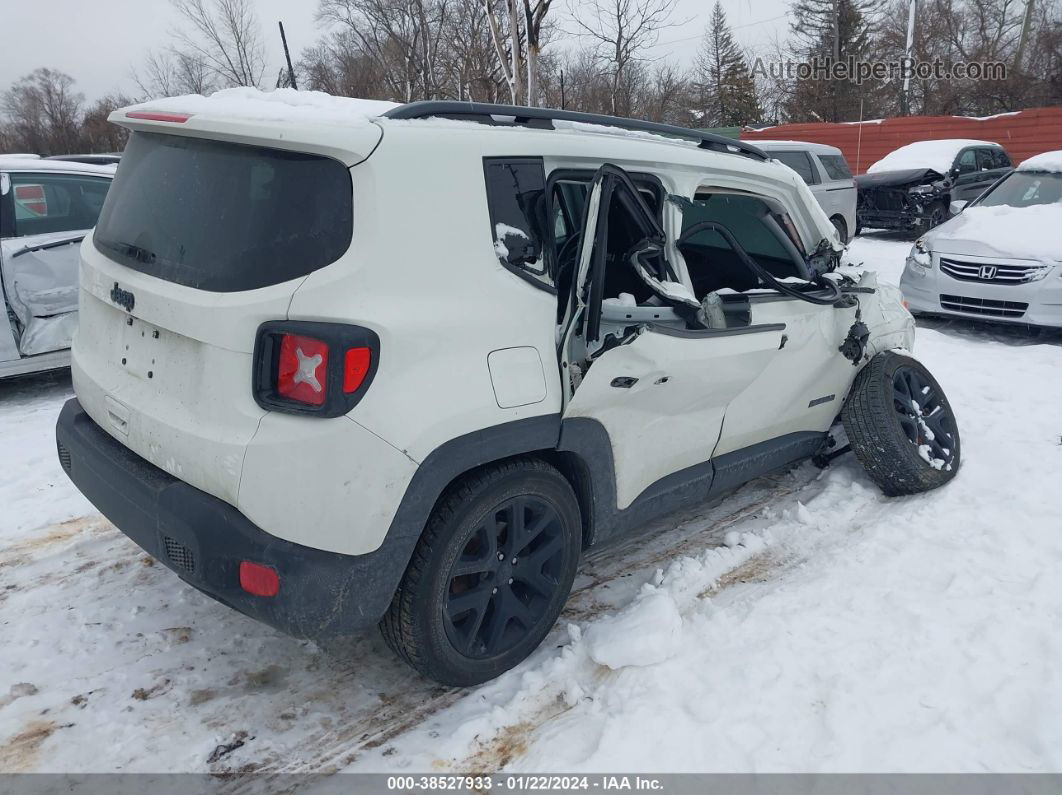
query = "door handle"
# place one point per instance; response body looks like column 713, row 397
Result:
column 624, row 382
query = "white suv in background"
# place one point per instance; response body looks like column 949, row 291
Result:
column 826, row 172
column 341, row 364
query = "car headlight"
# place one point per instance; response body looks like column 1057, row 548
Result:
column 922, row 189
column 920, row 258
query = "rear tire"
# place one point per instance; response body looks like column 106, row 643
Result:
column 461, row 615
column 901, row 426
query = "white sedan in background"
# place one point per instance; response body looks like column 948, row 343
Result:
column 46, row 209
column 1000, row 257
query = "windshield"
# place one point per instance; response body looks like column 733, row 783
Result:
column 1025, row 189
column 224, row 217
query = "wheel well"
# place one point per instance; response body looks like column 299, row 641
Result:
column 570, row 466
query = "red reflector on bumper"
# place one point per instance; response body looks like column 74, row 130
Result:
column 259, row 580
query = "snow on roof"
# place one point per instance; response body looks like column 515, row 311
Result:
column 283, row 104
column 68, row 166
column 937, row 155
column 1048, row 161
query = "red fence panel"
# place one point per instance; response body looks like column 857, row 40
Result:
column 1022, row 133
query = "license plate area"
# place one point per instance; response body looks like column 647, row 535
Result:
column 141, row 348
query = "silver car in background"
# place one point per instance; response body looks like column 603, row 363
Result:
column 1000, row 257
column 46, row 209
column 826, row 172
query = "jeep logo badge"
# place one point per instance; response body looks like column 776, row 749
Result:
column 124, row 298
column 988, row 272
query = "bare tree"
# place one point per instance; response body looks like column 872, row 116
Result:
column 223, row 36
column 100, row 135
column 534, row 17
column 403, row 37
column 171, row 72
column 507, row 35
column 622, row 31
column 43, row 113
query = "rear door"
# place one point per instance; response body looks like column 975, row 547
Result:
column 660, row 391
column 838, row 189
column 198, row 244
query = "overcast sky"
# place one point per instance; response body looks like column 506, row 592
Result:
column 100, row 43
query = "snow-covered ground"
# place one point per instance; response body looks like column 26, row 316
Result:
column 805, row 623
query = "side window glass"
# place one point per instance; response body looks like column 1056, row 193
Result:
column 800, row 163
column 1000, row 158
column 516, row 198
column 835, row 166
column 967, row 161
column 986, row 160
column 710, row 260
column 46, row 203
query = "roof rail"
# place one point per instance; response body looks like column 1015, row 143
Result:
column 486, row 113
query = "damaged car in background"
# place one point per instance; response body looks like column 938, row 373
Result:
column 46, row 208
column 1000, row 258
column 912, row 188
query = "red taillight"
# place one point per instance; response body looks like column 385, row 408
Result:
column 158, row 115
column 259, row 580
column 313, row 368
column 302, row 369
column 355, row 367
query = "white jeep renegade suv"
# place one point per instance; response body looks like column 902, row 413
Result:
column 338, row 369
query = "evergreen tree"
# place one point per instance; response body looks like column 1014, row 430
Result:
column 726, row 87
column 825, row 31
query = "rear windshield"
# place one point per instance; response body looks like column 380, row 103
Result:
column 224, row 217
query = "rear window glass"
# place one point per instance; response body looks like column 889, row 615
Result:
column 224, row 217
column 836, row 166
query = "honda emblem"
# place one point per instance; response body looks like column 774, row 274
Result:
column 988, row 272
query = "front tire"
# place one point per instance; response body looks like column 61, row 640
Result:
column 901, row 426
column 490, row 574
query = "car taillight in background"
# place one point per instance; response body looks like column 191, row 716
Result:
column 306, row 367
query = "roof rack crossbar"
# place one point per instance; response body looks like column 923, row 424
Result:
column 486, row 113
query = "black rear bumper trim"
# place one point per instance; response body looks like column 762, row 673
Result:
column 203, row 539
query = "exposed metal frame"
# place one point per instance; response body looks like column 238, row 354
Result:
column 542, row 118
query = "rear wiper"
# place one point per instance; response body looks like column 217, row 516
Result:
column 131, row 250
column 66, row 241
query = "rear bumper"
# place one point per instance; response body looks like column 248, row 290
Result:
column 203, row 539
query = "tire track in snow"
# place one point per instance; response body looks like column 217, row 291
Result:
column 686, row 533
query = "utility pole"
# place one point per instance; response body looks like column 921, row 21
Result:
column 836, row 30
column 1026, row 23
column 905, row 98
column 287, row 56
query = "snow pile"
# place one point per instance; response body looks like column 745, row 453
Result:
column 1048, row 161
column 937, row 155
column 283, row 105
column 646, row 633
column 1019, row 232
